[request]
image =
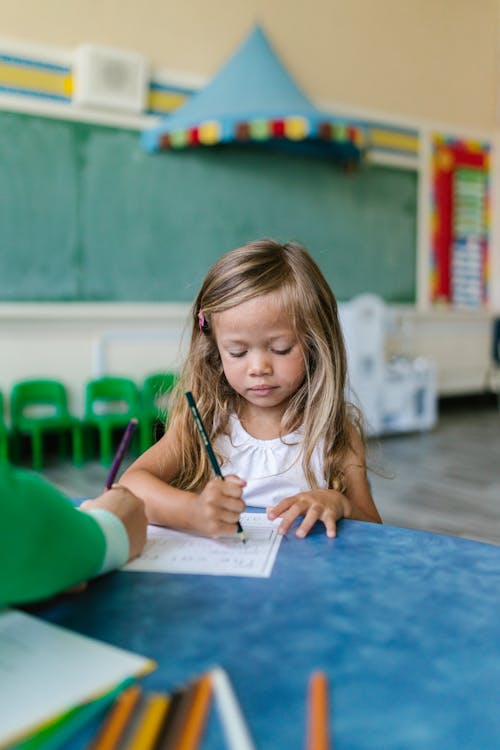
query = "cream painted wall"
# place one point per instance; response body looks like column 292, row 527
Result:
column 426, row 59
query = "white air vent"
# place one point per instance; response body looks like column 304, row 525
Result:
column 110, row 79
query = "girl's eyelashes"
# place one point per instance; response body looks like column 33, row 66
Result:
column 274, row 351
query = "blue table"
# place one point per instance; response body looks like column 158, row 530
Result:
column 405, row 623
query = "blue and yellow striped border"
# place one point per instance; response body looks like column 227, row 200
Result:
column 392, row 140
column 164, row 99
column 34, row 78
column 22, row 76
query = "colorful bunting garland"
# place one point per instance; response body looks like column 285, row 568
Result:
column 211, row 132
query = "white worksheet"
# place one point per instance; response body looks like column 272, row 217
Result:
column 46, row 670
column 169, row 551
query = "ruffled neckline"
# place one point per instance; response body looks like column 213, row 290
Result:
column 238, row 432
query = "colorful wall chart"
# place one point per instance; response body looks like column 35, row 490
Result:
column 460, row 221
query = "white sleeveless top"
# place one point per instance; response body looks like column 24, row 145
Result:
column 271, row 468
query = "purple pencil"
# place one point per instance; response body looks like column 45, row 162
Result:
column 124, row 444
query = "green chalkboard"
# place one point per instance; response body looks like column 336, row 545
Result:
column 85, row 214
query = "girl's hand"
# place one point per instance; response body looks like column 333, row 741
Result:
column 219, row 506
column 315, row 505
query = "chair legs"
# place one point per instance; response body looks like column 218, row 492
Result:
column 107, row 435
column 4, row 448
column 77, row 437
column 37, row 449
column 105, row 445
column 36, row 436
column 146, row 433
column 75, row 434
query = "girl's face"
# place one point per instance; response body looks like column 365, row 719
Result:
column 260, row 353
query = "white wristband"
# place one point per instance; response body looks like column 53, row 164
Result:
column 117, row 544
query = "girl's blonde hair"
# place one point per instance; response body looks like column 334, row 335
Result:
column 319, row 406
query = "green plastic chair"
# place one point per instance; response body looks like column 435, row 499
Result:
column 110, row 403
column 156, row 390
column 38, row 407
column 4, row 434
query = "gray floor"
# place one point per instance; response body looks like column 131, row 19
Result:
column 446, row 481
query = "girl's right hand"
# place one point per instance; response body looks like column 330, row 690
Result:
column 219, row 505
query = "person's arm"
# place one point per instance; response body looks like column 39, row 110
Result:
column 329, row 506
column 47, row 545
column 119, row 513
column 214, row 511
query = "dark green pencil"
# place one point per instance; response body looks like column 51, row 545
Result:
column 209, row 449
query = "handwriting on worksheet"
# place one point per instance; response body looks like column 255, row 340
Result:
column 169, row 551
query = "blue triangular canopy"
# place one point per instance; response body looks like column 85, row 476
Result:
column 254, row 99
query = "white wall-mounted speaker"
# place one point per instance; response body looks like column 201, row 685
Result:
column 110, row 79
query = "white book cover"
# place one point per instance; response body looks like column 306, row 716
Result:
column 45, row 670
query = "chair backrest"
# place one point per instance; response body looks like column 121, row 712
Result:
column 111, row 395
column 156, row 391
column 38, row 399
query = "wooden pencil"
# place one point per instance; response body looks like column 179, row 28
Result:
column 318, row 733
column 149, row 724
column 210, row 451
column 233, row 722
column 197, row 715
column 124, row 444
column 175, row 719
column 117, row 720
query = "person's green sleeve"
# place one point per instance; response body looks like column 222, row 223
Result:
column 46, row 545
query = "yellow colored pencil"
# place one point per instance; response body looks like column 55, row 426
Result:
column 145, row 734
column 115, row 724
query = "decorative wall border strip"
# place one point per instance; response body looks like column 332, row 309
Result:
column 24, row 76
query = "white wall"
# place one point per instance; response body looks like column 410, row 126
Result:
column 75, row 342
column 431, row 59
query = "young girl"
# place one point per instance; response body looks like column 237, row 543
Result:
column 267, row 368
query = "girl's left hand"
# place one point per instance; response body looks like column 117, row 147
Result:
column 315, row 505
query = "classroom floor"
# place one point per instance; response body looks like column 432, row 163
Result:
column 446, row 480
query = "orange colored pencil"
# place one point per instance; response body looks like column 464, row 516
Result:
column 117, row 720
column 196, row 718
column 318, row 734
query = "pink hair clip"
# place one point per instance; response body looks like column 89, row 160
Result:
column 202, row 321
